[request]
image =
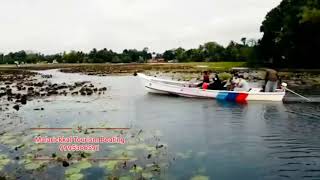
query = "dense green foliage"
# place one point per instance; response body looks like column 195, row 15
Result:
column 210, row 52
column 291, row 34
column 94, row 56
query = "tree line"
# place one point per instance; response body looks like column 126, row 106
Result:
column 94, row 56
column 291, row 38
column 210, row 52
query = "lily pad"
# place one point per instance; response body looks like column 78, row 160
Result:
column 131, row 147
column 38, row 147
column 136, row 170
column 75, row 177
column 185, row 155
column 73, row 172
column 200, row 177
column 9, row 140
column 147, row 175
column 110, row 165
column 32, row 166
column 83, row 165
column 125, row 178
column 3, row 161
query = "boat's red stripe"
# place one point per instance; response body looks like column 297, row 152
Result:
column 241, row 97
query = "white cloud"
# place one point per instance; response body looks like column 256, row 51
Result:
column 53, row 26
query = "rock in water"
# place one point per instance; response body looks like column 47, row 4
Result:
column 9, row 92
column 65, row 164
column 16, row 107
column 24, row 99
column 69, row 155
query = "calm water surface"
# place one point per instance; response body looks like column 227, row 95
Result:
column 219, row 140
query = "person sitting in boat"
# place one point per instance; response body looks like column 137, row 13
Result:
column 231, row 82
column 206, row 78
column 241, row 84
column 216, row 84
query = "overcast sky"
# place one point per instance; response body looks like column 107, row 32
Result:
column 51, row 26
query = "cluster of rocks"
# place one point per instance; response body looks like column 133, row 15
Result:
column 20, row 89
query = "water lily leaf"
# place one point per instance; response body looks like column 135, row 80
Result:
column 185, row 155
column 125, row 178
column 131, row 147
column 3, row 161
column 75, row 177
column 163, row 164
column 38, row 147
column 147, row 175
column 142, row 146
column 110, row 165
column 182, row 155
column 151, row 148
column 127, row 154
column 112, row 146
column 32, row 166
column 71, row 171
column 83, row 165
column 200, row 177
column 9, row 140
column 136, row 170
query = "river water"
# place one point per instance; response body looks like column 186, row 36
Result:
column 204, row 139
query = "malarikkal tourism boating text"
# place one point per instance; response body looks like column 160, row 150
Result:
column 75, row 143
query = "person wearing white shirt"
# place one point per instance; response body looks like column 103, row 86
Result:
column 241, row 84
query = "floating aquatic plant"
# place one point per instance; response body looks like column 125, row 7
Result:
column 9, row 139
column 136, row 169
column 3, row 161
column 77, row 176
column 147, row 175
column 185, row 155
column 125, row 178
column 200, row 177
column 110, row 165
column 73, row 173
column 32, row 166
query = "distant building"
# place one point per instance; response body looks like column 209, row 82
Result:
column 160, row 60
column 173, row 61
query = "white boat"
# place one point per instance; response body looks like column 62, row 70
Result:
column 146, row 78
column 182, row 88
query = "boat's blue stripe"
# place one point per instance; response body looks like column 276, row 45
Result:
column 232, row 96
column 222, row 95
column 228, row 96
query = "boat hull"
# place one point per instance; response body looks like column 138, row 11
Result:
column 158, row 86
